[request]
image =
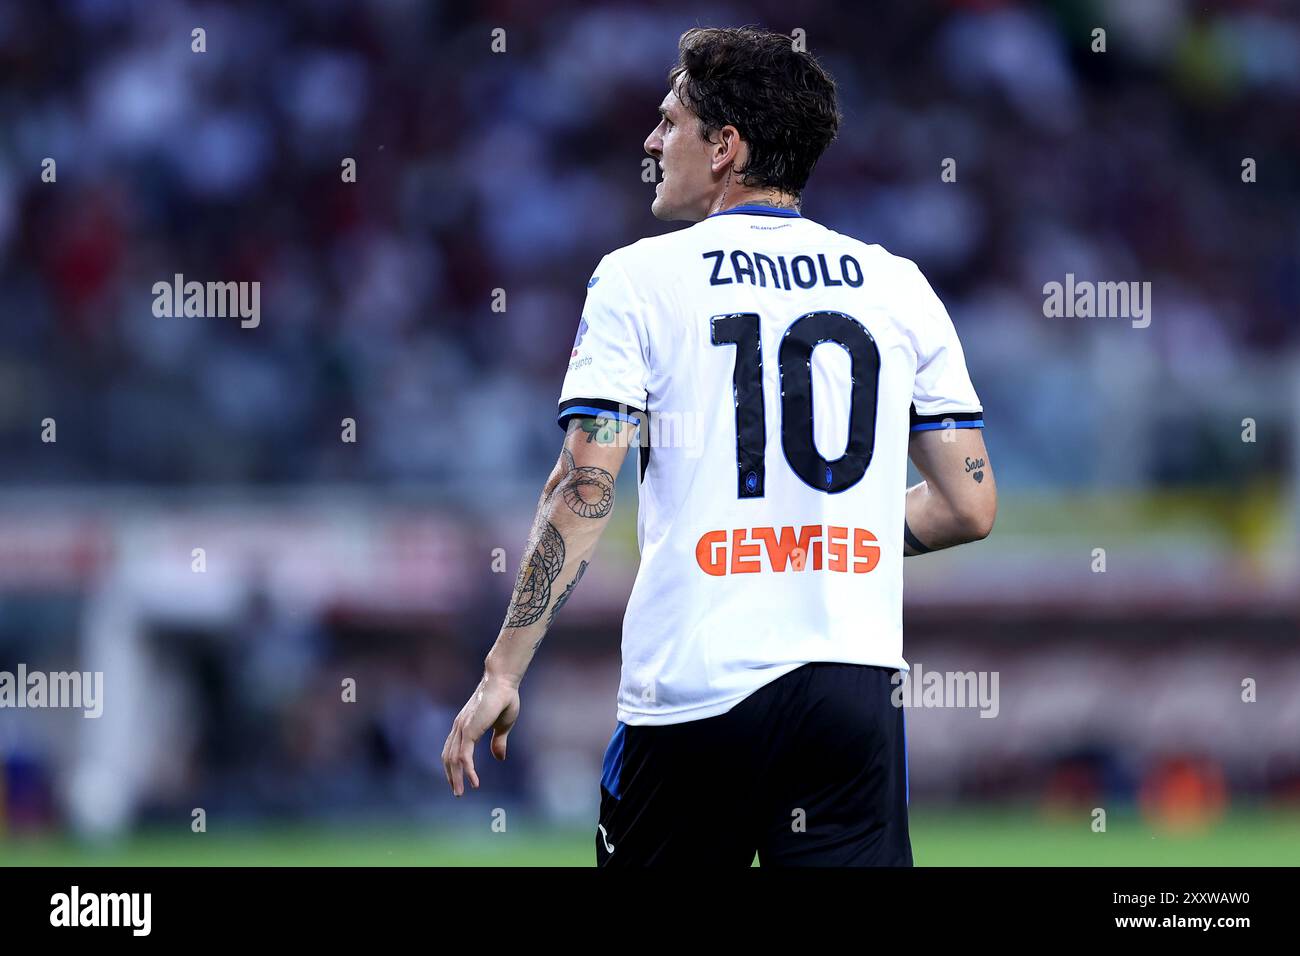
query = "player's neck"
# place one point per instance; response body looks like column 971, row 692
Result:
column 771, row 198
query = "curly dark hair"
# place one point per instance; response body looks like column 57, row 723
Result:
column 780, row 100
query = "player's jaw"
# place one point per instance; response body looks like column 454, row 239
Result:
column 667, row 204
column 685, row 190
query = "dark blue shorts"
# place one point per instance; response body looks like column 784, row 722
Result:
column 809, row 770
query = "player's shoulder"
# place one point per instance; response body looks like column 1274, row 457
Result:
column 879, row 260
column 643, row 264
column 896, row 281
column 650, row 251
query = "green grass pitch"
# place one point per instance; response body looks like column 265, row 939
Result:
column 939, row 838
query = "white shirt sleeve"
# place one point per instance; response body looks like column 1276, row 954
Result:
column 942, row 395
column 608, row 368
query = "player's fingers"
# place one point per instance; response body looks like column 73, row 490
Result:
column 501, row 729
column 451, row 761
column 467, row 762
column 499, row 744
column 457, row 780
column 446, row 772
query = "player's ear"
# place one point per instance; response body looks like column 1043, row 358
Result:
column 720, row 150
column 728, row 148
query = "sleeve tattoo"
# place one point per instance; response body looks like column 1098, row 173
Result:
column 539, row 571
column 586, row 491
column 564, row 598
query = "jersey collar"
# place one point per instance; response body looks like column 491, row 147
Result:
column 757, row 209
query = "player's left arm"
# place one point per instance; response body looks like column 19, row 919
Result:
column 958, row 500
column 573, row 510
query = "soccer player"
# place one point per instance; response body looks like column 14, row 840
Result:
column 775, row 376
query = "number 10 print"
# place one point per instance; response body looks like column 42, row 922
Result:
column 794, row 359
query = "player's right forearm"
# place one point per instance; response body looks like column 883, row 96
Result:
column 932, row 522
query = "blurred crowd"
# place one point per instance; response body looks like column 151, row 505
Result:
column 501, row 177
column 517, row 170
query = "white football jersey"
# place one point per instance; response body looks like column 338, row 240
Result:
column 777, row 368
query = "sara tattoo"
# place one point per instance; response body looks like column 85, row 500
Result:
column 588, row 491
column 563, row 599
column 975, row 468
column 533, row 589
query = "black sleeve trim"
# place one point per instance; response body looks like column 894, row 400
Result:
column 961, row 419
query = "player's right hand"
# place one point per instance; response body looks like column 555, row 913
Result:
column 494, row 704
